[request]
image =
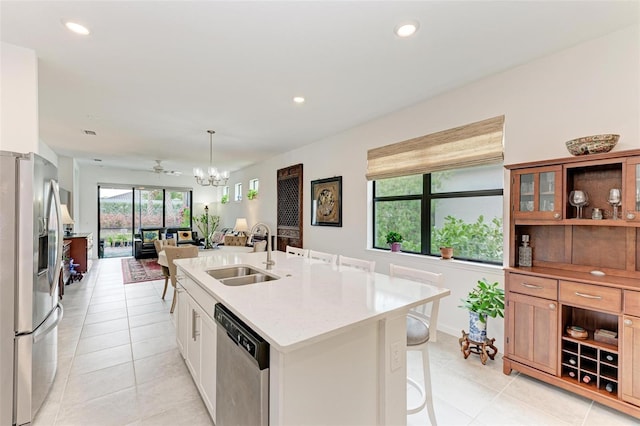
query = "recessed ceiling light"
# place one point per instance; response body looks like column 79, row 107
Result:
column 76, row 28
column 298, row 99
column 407, row 29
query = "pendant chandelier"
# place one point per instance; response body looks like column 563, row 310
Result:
column 214, row 178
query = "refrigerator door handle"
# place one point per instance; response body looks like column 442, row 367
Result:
column 59, row 240
column 49, row 324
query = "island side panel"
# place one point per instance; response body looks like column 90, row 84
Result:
column 345, row 379
column 392, row 362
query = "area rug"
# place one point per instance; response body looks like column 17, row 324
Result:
column 140, row 270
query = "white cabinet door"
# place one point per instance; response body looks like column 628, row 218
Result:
column 208, row 366
column 196, row 335
column 193, row 338
column 182, row 323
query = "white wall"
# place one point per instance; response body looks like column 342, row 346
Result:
column 19, row 98
column 66, row 170
column 45, row 151
column 589, row 89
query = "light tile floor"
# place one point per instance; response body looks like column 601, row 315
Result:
column 119, row 365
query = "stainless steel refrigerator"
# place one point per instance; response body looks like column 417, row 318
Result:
column 30, row 262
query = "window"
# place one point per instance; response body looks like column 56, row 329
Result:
column 442, row 190
column 253, row 189
column 463, row 204
column 163, row 207
column 225, row 195
column 238, row 194
column 177, row 209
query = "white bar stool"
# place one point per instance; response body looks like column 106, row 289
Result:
column 419, row 324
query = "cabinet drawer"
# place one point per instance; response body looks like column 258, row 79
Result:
column 591, row 296
column 534, row 286
column 632, row 302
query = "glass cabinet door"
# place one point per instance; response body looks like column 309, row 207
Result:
column 537, row 193
column 631, row 202
column 527, row 186
column 546, row 195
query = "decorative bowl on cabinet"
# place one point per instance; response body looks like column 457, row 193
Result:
column 595, row 144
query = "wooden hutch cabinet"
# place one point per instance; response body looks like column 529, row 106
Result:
column 585, row 273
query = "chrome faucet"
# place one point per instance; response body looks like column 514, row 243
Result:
column 269, row 261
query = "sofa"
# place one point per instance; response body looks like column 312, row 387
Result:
column 145, row 248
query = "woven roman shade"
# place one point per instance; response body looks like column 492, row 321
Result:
column 465, row 146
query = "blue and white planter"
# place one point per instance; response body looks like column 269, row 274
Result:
column 477, row 328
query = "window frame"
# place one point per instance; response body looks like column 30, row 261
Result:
column 426, row 214
column 237, row 196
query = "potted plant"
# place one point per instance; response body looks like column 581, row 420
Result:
column 445, row 237
column 252, row 194
column 394, row 239
column 207, row 224
column 485, row 300
column 224, row 199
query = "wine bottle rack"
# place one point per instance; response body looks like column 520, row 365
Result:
column 590, row 364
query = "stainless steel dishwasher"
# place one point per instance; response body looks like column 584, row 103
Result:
column 242, row 368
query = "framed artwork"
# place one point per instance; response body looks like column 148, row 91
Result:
column 326, row 202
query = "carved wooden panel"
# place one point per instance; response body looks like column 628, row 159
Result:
column 289, row 226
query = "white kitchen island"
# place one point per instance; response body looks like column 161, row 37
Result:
column 337, row 336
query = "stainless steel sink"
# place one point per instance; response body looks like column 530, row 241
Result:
column 248, row 279
column 232, row 271
column 240, row 275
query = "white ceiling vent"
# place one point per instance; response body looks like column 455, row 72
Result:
column 89, row 132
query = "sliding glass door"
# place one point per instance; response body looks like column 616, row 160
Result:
column 115, row 221
column 148, row 207
column 122, row 211
column 177, row 209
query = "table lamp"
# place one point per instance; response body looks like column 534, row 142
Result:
column 66, row 219
column 241, row 226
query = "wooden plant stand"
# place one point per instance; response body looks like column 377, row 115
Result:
column 485, row 349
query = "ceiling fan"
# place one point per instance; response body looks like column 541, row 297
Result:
column 158, row 168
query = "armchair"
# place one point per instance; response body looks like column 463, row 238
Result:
column 144, row 246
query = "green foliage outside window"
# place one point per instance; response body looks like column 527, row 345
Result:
column 402, row 217
column 398, row 204
column 405, row 185
column 478, row 240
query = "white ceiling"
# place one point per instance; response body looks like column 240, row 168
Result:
column 153, row 76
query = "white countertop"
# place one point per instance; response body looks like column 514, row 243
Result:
column 311, row 300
